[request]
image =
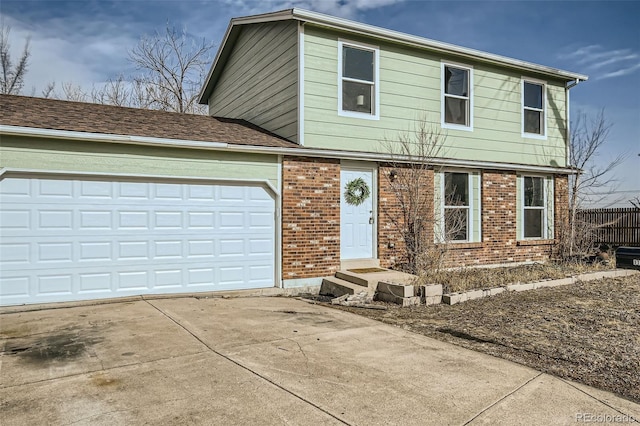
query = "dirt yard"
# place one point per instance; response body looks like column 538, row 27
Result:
column 588, row 332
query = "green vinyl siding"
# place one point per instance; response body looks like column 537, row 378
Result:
column 55, row 155
column 410, row 90
column 259, row 82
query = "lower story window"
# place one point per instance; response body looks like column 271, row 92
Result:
column 534, row 208
column 456, row 206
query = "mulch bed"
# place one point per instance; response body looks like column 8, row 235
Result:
column 588, row 332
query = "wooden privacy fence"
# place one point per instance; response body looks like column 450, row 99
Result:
column 616, row 227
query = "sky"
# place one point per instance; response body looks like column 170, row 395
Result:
column 86, row 42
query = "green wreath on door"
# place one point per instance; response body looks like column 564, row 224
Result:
column 356, row 192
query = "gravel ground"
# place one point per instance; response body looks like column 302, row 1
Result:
column 588, row 332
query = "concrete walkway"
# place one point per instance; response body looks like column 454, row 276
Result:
column 264, row 361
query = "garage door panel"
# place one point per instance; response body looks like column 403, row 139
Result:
column 14, row 254
column 203, row 220
column 81, row 239
column 15, row 287
column 15, row 219
column 95, row 283
column 56, row 189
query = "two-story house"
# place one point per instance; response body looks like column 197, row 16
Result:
column 289, row 176
column 347, row 92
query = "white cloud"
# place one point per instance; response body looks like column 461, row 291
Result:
column 340, row 8
column 620, row 72
column 66, row 51
column 605, row 63
column 614, row 60
column 583, row 51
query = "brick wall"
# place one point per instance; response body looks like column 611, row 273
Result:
column 561, row 200
column 311, row 220
column 499, row 239
column 389, row 212
column 310, row 217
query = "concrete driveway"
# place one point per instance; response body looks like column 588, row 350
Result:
column 263, row 361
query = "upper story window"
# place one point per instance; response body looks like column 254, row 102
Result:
column 534, row 208
column 456, row 206
column 457, row 100
column 533, row 109
column 358, row 80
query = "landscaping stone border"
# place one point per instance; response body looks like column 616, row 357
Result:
column 454, row 298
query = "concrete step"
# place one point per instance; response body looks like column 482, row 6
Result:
column 336, row 287
column 358, row 279
column 359, row 263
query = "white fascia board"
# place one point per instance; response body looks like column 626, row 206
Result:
column 267, row 17
column 396, row 36
column 379, row 157
column 384, row 34
column 256, row 149
column 214, row 64
column 104, row 137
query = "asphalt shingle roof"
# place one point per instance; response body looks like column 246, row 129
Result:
column 107, row 119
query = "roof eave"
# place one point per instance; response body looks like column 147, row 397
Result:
column 255, row 149
column 422, row 42
column 379, row 33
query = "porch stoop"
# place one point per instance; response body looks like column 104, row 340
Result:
column 347, row 281
column 359, row 263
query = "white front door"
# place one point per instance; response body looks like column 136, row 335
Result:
column 357, row 222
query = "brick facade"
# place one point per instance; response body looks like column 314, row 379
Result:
column 311, row 220
column 391, row 246
column 499, row 239
column 310, row 217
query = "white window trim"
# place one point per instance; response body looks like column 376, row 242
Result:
column 376, row 81
column 443, row 123
column 470, row 208
column 544, row 208
column 545, row 107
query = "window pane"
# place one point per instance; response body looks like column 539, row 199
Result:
column 533, row 95
column 533, row 191
column 356, row 97
column 357, row 63
column 532, row 121
column 533, row 223
column 456, row 189
column 456, row 81
column 455, row 224
column 455, row 111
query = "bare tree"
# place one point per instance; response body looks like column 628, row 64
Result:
column 123, row 93
column 173, row 67
column 635, row 202
column 588, row 139
column 49, row 91
column 12, row 79
column 411, row 210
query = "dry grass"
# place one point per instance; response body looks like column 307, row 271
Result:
column 478, row 278
column 588, row 332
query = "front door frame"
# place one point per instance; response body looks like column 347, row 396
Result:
column 373, row 168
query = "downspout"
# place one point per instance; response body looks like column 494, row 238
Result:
column 568, row 118
column 572, row 207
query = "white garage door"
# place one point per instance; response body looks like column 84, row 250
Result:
column 77, row 239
